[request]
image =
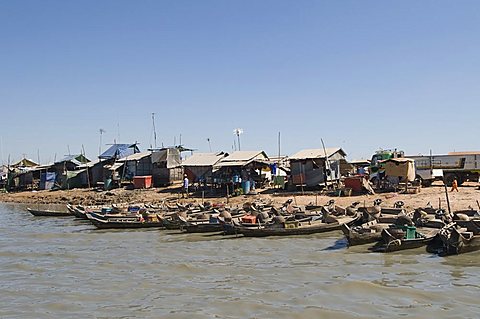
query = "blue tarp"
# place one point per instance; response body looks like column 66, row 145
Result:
column 119, row 151
column 47, row 180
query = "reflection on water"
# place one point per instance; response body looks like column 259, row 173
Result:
column 62, row 267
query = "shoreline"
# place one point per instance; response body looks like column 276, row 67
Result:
column 468, row 196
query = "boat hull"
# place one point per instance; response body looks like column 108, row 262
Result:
column 49, row 213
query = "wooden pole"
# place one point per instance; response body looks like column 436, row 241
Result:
column 279, row 147
column 327, row 163
column 226, row 184
column 448, row 201
column 302, row 169
column 88, row 175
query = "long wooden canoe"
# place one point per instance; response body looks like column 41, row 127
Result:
column 51, row 213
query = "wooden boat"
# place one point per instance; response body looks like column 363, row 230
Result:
column 123, row 222
column 38, row 212
column 292, row 228
column 215, row 224
column 78, row 211
column 407, row 237
column 460, row 237
column 371, row 231
column 203, row 228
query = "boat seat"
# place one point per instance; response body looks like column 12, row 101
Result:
column 434, row 223
column 387, row 219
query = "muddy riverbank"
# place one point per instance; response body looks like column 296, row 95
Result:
column 468, row 196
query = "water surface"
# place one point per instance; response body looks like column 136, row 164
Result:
column 61, row 267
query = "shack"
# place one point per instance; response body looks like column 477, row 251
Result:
column 242, row 169
column 68, row 172
column 109, row 158
column 200, row 166
column 316, row 167
column 166, row 166
column 139, row 164
column 3, row 175
column 24, row 175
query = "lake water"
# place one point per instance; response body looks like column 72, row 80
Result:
column 65, row 268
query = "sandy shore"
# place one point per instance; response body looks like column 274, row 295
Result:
column 468, row 196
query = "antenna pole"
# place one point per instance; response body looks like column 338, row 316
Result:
column 279, row 146
column 154, row 131
column 238, row 137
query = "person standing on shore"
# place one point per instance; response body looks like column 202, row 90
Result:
column 185, row 186
column 454, row 185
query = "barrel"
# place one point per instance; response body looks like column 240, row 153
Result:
column 246, row 187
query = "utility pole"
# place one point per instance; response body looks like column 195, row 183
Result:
column 100, row 146
column 238, row 132
column 154, row 131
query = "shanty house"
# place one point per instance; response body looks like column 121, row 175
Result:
column 111, row 168
column 316, row 167
column 3, row 175
column 139, row 164
column 167, row 166
column 68, row 172
column 200, row 166
column 242, row 168
column 22, row 175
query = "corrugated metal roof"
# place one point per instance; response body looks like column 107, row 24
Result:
column 115, row 166
column 77, row 159
column 24, row 162
column 135, row 157
column 203, row 159
column 241, row 158
column 245, row 156
column 316, row 153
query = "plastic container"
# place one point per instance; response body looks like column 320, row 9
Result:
column 142, row 181
column 249, row 219
column 246, row 187
column 411, row 232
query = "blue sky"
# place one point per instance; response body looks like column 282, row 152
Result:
column 361, row 75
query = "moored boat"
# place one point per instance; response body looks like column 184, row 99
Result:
column 408, row 237
column 293, row 228
column 124, row 222
column 366, row 233
column 460, row 237
column 50, row 213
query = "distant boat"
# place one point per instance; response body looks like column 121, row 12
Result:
column 102, row 222
column 305, row 227
column 38, row 212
